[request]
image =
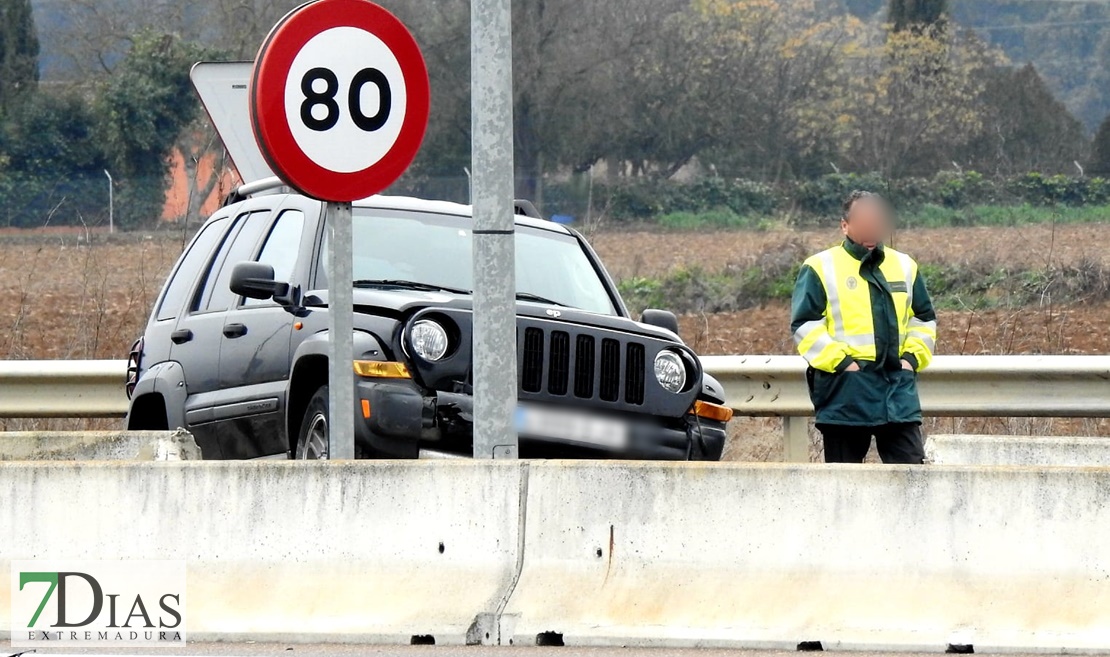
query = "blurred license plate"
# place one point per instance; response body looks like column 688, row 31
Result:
column 571, row 426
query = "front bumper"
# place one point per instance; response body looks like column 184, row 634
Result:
column 398, row 419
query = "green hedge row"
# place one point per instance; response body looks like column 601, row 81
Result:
column 645, row 200
column 32, row 201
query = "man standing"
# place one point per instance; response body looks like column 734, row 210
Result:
column 863, row 320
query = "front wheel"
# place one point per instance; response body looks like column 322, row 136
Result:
column 313, row 438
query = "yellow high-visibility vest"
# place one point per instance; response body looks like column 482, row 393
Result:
column 848, row 328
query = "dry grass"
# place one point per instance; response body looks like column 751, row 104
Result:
column 69, row 299
column 656, row 253
column 72, row 297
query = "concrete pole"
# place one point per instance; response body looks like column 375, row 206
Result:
column 495, row 362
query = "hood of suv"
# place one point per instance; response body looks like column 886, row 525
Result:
column 399, row 304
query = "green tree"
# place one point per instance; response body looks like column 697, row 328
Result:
column 1024, row 127
column 1067, row 41
column 1100, row 150
column 142, row 109
column 53, row 164
column 916, row 14
column 19, row 51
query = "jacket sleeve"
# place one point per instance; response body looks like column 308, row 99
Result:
column 921, row 339
column 807, row 323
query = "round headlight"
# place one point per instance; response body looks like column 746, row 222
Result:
column 670, row 371
column 429, row 340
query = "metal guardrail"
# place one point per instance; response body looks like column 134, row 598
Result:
column 952, row 386
column 761, row 386
column 62, row 388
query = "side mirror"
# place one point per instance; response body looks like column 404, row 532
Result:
column 255, row 280
column 661, row 318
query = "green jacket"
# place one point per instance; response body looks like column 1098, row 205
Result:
column 882, row 392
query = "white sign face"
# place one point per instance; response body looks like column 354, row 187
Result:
column 345, row 112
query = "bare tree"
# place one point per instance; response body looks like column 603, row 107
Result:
column 568, row 61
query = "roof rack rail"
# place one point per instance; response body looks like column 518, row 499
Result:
column 526, row 208
column 246, row 190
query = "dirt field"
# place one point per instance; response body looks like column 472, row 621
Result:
column 67, row 299
column 655, row 253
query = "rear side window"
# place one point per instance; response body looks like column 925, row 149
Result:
column 191, row 263
column 217, row 295
column 281, row 248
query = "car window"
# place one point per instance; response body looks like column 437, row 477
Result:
column 217, row 295
column 281, row 248
column 191, row 263
column 436, row 250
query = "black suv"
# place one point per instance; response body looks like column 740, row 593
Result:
column 236, row 348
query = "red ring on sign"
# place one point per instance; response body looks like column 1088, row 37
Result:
column 267, row 99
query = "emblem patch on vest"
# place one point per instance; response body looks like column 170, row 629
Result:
column 852, row 283
column 898, row 286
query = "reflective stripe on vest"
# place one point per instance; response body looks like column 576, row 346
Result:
column 907, row 272
column 862, row 343
column 924, row 331
column 836, row 316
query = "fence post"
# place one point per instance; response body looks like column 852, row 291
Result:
column 795, row 439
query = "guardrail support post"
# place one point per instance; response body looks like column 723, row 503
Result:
column 795, row 439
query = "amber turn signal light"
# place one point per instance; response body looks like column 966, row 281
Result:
column 382, row 369
column 711, row 411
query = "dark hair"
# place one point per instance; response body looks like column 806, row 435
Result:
column 855, row 196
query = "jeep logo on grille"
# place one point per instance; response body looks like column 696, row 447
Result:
column 554, row 313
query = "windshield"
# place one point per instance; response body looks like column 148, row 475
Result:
column 434, row 251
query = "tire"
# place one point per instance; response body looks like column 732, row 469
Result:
column 312, row 439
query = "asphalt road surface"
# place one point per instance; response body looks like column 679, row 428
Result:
column 359, row 650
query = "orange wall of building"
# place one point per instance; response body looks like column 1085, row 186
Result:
column 177, row 194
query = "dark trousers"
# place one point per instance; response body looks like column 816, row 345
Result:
column 897, row 443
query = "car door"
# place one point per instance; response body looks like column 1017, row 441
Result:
column 161, row 330
column 200, row 331
column 255, row 354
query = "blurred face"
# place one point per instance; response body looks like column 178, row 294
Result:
column 868, row 222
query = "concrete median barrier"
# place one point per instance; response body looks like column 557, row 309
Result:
column 1017, row 450
column 775, row 555
column 284, row 551
column 643, row 554
column 98, row 445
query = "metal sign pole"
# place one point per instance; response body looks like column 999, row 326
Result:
column 495, row 363
column 341, row 326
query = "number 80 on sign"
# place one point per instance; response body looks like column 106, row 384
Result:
column 339, row 99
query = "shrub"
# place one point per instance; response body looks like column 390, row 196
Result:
column 948, row 198
column 955, row 190
column 824, row 196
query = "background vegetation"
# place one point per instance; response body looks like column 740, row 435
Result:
column 776, row 103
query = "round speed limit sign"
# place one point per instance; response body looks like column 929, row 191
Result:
column 339, row 99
